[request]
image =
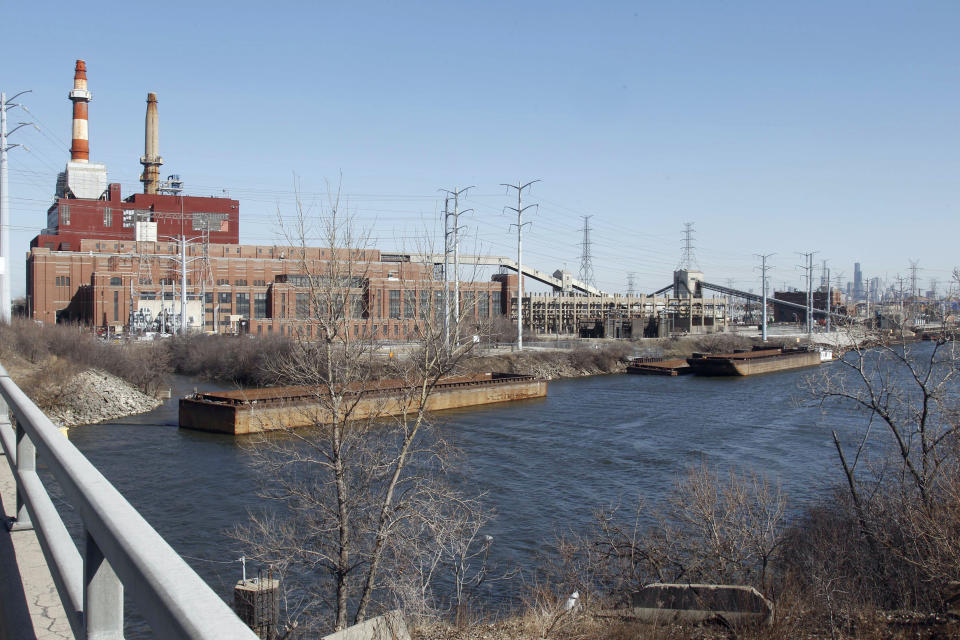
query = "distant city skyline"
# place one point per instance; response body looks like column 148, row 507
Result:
column 774, row 129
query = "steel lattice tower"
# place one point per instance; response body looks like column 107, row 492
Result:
column 586, row 259
column 687, row 259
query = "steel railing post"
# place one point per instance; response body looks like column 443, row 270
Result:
column 102, row 595
column 26, row 463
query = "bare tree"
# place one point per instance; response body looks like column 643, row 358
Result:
column 712, row 529
column 908, row 396
column 361, row 490
column 899, row 468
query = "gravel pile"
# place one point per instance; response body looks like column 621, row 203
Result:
column 94, row 396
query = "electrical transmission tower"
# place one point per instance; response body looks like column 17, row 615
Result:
column 687, row 259
column 631, row 277
column 808, row 267
column 451, row 243
column 586, row 259
column 913, row 277
column 519, row 209
column 764, row 267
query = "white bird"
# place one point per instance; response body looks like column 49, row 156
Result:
column 572, row 601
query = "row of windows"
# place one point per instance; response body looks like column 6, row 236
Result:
column 483, row 303
column 63, row 281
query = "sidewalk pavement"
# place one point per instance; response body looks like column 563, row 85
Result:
column 30, row 607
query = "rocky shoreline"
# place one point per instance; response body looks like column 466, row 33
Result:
column 95, row 396
column 87, row 397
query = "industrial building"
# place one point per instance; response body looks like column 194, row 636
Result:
column 163, row 261
column 121, row 263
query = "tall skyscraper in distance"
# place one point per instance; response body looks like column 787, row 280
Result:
column 857, row 282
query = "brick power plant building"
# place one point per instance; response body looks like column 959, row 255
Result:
column 116, row 263
column 146, row 261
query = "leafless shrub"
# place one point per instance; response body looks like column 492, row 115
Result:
column 144, row 365
column 722, row 530
column 238, row 360
column 721, row 343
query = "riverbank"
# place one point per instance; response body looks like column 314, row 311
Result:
column 72, row 395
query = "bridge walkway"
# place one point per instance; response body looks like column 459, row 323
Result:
column 30, row 608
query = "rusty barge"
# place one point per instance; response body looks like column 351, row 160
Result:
column 269, row 409
column 749, row 363
column 657, row 366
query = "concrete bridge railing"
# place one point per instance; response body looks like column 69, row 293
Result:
column 119, row 550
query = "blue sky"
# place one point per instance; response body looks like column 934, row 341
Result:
column 774, row 127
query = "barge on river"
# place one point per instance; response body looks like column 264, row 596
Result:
column 270, row 409
column 658, row 367
column 760, row 360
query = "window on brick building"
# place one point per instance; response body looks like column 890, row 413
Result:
column 495, row 303
column 466, row 308
column 223, row 282
column 259, row 305
column 424, row 304
column 116, row 306
column 65, row 215
column 223, row 297
column 483, row 304
column 240, row 283
column 116, row 282
column 409, row 303
column 356, row 305
column 108, row 217
column 242, row 307
column 303, row 305
column 394, row 303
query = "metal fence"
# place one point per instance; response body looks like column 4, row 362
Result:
column 120, row 550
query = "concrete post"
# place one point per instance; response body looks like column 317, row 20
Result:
column 102, row 595
column 26, row 463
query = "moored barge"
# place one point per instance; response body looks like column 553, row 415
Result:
column 269, row 409
column 748, row 363
column 658, row 367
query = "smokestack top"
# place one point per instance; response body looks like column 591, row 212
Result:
column 80, row 96
column 151, row 159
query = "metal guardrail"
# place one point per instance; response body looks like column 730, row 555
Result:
column 120, row 549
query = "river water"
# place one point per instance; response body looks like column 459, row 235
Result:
column 543, row 464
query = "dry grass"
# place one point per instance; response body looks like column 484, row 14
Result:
column 48, row 352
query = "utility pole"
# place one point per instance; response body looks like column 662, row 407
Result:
column 586, row 259
column 455, row 231
column 808, row 267
column 763, row 273
column 913, row 285
column 519, row 209
column 825, row 284
column 183, row 285
column 6, row 105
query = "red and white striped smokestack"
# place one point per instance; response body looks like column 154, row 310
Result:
column 80, row 149
column 151, row 159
